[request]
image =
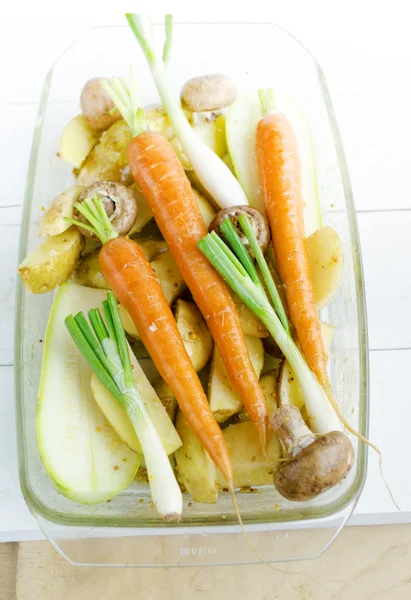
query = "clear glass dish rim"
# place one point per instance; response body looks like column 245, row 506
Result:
column 353, row 493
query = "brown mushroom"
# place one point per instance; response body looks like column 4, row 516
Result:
column 208, row 93
column 119, row 202
column 315, row 464
column 258, row 222
column 96, row 105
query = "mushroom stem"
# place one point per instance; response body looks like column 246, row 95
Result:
column 293, row 433
column 314, row 465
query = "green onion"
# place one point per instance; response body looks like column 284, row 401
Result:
column 248, row 287
column 239, row 249
column 213, row 173
column 104, row 346
column 98, row 222
column 265, row 271
column 169, row 39
column 127, row 100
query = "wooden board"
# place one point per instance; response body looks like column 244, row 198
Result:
column 365, row 563
column 8, row 565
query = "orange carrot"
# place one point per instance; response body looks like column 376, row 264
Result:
column 133, row 281
column 161, row 178
column 280, row 175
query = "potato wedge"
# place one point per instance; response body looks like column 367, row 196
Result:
column 151, row 248
column 52, row 263
column 195, row 469
column 250, row 465
column 250, row 324
column 53, row 221
column 194, row 333
column 167, row 397
column 118, row 418
column 268, row 383
column 169, row 276
column 88, row 272
column 289, row 388
column 326, row 262
column 76, row 141
column 144, row 212
column 127, row 322
column 224, row 400
column 207, row 210
column 181, row 155
column 157, row 120
column 108, row 160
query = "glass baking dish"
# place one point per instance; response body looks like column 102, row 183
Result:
column 255, row 55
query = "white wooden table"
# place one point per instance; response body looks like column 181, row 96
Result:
column 366, row 61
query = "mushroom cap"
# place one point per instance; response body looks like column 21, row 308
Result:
column 96, row 105
column 208, row 92
column 119, row 202
column 317, row 468
column 258, row 222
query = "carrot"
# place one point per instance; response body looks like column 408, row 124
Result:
column 161, row 178
column 133, row 281
column 280, row 176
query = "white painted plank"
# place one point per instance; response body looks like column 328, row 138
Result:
column 17, row 128
column 14, row 514
column 9, row 239
column 10, row 215
column 386, row 248
column 390, row 376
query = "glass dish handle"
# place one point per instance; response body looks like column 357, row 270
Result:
column 114, row 547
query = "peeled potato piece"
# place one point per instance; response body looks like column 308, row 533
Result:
column 224, row 399
column 171, row 280
column 326, row 261
column 250, row 465
column 53, row 221
column 194, row 333
column 206, row 209
column 167, row 397
column 268, row 383
column 144, row 212
column 88, row 272
column 76, row 141
column 195, row 469
column 108, row 161
column 52, row 263
column 250, row 323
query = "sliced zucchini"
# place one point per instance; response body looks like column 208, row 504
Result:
column 81, row 452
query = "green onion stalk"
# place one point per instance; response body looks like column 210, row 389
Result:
column 235, row 265
column 213, row 173
column 103, row 344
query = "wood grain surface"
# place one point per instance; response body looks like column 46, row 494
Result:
column 8, row 567
column 365, row 563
